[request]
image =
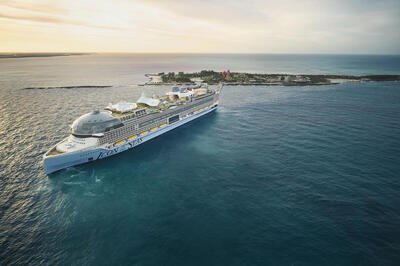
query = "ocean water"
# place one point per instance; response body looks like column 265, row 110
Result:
column 276, row 176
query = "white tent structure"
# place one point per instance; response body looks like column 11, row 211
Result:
column 148, row 101
column 121, row 107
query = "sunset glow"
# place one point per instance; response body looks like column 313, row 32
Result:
column 200, row 26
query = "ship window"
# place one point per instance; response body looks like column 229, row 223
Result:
column 173, row 119
column 93, row 123
column 113, row 127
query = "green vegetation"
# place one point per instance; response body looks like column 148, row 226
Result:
column 237, row 78
column 208, row 76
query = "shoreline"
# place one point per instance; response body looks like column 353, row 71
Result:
column 27, row 55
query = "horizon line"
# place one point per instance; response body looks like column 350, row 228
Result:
column 195, row 53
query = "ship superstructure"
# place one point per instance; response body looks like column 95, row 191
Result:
column 122, row 126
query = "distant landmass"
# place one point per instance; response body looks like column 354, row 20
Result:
column 68, row 87
column 22, row 55
column 238, row 78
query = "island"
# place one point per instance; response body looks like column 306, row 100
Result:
column 239, row 78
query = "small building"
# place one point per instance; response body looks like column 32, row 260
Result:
column 228, row 75
column 289, row 78
column 196, row 80
column 301, row 79
column 155, row 79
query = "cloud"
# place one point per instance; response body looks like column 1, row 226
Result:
column 45, row 18
column 36, row 6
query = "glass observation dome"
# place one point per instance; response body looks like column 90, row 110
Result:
column 94, row 123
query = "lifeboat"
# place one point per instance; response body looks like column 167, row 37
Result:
column 132, row 137
column 120, row 142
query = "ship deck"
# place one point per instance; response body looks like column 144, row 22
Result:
column 168, row 104
column 118, row 115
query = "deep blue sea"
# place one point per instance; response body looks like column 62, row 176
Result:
column 276, row 176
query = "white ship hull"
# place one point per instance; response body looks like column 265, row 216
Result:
column 61, row 161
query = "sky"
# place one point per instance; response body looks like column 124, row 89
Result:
column 201, row 26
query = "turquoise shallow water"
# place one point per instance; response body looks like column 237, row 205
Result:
column 278, row 175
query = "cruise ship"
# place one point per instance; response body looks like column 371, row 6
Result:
column 123, row 126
